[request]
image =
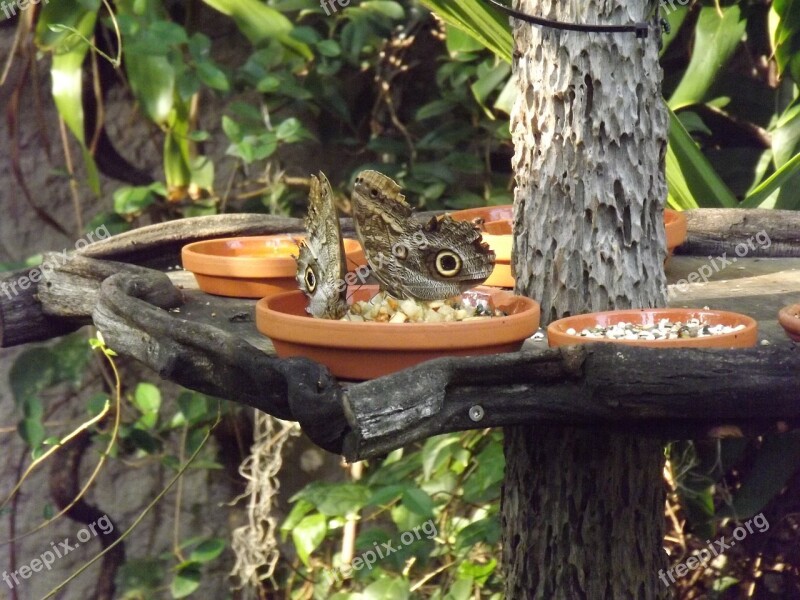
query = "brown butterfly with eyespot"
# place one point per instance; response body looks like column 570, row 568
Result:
column 321, row 265
column 433, row 260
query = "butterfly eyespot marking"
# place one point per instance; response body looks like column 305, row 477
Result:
column 448, row 263
column 373, row 193
column 311, row 280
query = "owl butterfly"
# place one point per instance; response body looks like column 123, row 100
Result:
column 321, row 263
column 428, row 261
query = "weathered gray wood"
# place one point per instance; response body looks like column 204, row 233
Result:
column 599, row 386
column 589, row 128
column 22, row 319
column 160, row 245
column 742, row 232
column 70, row 286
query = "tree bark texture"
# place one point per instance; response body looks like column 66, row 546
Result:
column 583, row 508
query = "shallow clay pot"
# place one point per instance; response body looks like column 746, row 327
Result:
column 354, row 350
column 789, row 318
column 497, row 230
column 252, row 267
column 497, row 233
column 675, row 226
column 557, row 331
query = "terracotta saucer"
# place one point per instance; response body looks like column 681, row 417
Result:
column 789, row 318
column 354, row 350
column 557, row 331
column 252, row 267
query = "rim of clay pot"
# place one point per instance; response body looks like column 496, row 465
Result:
column 253, row 256
column 676, row 226
column 283, row 317
column 358, row 350
column 789, row 318
column 557, row 331
column 501, row 212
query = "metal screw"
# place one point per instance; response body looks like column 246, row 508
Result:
column 476, row 413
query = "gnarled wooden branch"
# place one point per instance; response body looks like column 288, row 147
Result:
column 764, row 233
column 602, row 385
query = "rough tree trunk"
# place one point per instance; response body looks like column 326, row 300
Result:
column 582, row 509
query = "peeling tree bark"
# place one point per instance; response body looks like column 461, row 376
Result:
column 583, row 509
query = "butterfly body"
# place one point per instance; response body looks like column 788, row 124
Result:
column 321, row 263
column 433, row 260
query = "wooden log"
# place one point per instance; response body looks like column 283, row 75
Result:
column 159, row 245
column 742, row 232
column 22, row 318
column 624, row 388
column 602, row 385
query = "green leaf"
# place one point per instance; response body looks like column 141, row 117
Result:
column 260, row 23
column 478, row 573
column 335, row 499
column 390, row 9
column 130, row 200
column 186, row 580
column 437, row 452
column 308, row 534
column 766, row 195
column 486, row 531
column 786, row 134
column 33, row 371
column 691, row 179
column 329, row 48
column 32, row 431
column 207, row 550
column 299, row 510
column 387, row 588
column 418, row 502
column 459, row 42
column 213, row 76
column 152, row 79
column 716, row 39
column 147, row 398
column 460, row 590
column 478, row 20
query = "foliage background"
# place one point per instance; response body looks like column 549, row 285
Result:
column 164, row 112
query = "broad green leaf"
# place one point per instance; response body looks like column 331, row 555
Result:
column 716, row 39
column 770, row 194
column 418, row 502
column 32, row 431
column 308, row 534
column 460, row 590
column 479, row 573
column 786, row 134
column 260, row 23
column 458, row 41
column 152, row 80
column 691, row 179
column 784, row 27
column 207, row 550
column 485, row 531
column 477, row 19
column 147, row 397
column 33, row 371
column 298, row 512
column 186, row 580
column 387, row 588
column 388, row 8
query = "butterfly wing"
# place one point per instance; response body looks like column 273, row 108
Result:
column 427, row 261
column 321, row 263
